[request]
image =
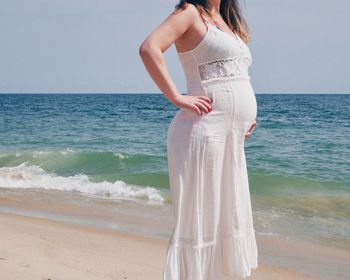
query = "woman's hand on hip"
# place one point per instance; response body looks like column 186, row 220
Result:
column 196, row 104
column 249, row 132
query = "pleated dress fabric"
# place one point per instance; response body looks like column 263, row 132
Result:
column 213, row 233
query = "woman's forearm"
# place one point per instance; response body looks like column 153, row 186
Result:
column 154, row 62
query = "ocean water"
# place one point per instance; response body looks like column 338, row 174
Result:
column 113, row 147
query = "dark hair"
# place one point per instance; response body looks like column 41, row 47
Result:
column 230, row 12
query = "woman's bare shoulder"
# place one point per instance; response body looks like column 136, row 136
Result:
column 173, row 27
column 189, row 10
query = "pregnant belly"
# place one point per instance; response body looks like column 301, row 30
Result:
column 234, row 107
column 235, row 100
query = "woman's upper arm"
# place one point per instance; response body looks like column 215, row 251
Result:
column 172, row 28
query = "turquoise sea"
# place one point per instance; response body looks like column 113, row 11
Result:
column 113, row 147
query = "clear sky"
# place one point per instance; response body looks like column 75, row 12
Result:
column 92, row 45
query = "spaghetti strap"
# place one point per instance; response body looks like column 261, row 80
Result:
column 207, row 21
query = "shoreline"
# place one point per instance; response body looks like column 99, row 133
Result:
column 37, row 230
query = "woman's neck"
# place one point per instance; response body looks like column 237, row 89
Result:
column 214, row 6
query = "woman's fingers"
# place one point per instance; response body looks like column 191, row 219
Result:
column 202, row 106
column 251, row 129
column 252, row 126
column 196, row 109
column 206, row 98
column 206, row 104
column 199, row 104
column 206, row 101
column 193, row 107
column 249, row 132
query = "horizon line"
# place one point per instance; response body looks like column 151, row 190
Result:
column 160, row 93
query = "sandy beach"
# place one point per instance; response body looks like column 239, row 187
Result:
column 38, row 248
column 43, row 248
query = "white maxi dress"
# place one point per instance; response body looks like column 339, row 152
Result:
column 213, row 233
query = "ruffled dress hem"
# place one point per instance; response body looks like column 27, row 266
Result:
column 230, row 255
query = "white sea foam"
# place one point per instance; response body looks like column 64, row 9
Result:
column 119, row 155
column 66, row 151
column 39, row 153
column 32, row 176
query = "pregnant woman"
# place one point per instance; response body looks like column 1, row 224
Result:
column 213, row 232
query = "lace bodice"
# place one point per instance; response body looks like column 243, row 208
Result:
column 219, row 56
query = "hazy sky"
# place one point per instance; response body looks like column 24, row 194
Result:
column 92, row 45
